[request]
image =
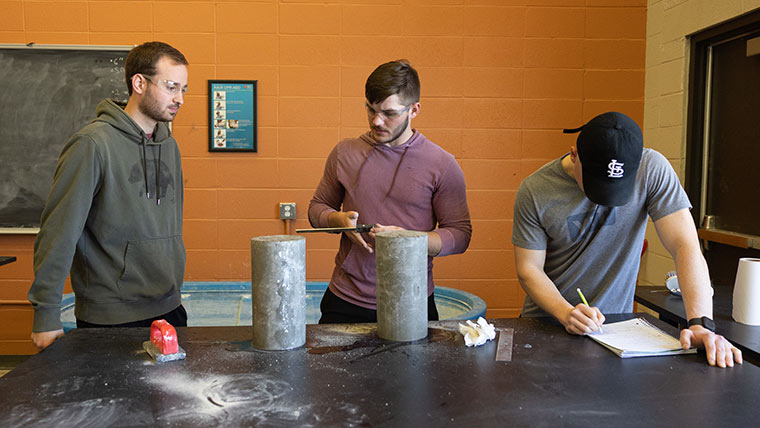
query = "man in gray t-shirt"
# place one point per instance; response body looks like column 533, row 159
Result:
column 579, row 223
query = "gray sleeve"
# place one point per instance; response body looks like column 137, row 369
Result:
column 665, row 195
column 75, row 181
column 527, row 231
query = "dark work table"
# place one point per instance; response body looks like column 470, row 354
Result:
column 4, row 260
column 346, row 376
column 671, row 309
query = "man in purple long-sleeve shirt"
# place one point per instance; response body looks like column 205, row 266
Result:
column 395, row 178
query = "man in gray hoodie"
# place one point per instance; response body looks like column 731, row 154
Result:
column 113, row 218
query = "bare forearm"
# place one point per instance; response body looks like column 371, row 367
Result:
column 679, row 236
column 694, row 280
column 578, row 319
column 544, row 293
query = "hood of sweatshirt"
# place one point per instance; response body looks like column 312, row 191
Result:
column 111, row 112
column 413, row 141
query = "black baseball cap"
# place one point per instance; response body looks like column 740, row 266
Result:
column 609, row 147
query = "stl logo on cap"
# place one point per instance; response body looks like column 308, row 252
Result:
column 606, row 144
column 615, row 169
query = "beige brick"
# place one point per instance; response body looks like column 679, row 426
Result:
column 672, row 112
column 652, row 109
column 748, row 5
column 653, row 50
column 651, row 137
column 673, row 49
column 671, row 142
column 659, row 139
column 654, row 18
column 677, row 20
column 651, row 84
column 671, row 77
column 713, row 12
column 655, row 268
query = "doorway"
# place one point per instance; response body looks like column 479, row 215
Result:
column 723, row 143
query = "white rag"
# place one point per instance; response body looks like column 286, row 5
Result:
column 477, row 334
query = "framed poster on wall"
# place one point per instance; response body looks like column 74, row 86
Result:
column 232, row 115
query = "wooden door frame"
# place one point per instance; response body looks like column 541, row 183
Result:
column 699, row 44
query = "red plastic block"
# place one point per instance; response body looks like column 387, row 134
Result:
column 163, row 335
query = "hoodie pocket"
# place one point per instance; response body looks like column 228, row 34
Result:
column 359, row 264
column 152, row 268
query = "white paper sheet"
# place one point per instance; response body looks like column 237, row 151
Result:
column 638, row 338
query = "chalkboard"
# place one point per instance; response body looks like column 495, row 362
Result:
column 46, row 94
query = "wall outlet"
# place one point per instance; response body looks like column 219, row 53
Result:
column 287, row 210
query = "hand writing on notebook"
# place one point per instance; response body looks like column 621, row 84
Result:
column 582, row 319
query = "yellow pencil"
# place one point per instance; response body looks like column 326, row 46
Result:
column 585, row 302
column 580, row 293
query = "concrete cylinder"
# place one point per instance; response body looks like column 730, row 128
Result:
column 402, row 285
column 278, row 292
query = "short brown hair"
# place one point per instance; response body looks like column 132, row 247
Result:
column 143, row 59
column 393, row 78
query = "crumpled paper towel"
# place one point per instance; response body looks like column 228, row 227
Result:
column 477, row 334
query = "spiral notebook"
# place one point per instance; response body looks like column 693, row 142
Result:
column 638, row 338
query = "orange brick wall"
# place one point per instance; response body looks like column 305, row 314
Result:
column 500, row 78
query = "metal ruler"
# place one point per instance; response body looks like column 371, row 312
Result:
column 360, row 228
column 504, row 345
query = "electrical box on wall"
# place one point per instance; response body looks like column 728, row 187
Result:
column 287, row 210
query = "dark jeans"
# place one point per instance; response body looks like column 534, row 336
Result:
column 338, row 311
column 177, row 318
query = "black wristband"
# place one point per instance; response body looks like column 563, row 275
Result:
column 705, row 322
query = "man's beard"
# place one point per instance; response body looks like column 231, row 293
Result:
column 150, row 107
column 395, row 133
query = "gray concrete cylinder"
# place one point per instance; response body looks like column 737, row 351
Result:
column 278, row 292
column 402, row 285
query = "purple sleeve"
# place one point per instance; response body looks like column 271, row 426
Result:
column 328, row 197
column 450, row 209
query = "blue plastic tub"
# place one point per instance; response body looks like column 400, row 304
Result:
column 229, row 303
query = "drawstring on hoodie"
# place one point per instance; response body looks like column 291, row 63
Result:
column 106, row 112
column 158, row 177
column 145, row 169
column 395, row 173
column 158, row 173
column 361, row 167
